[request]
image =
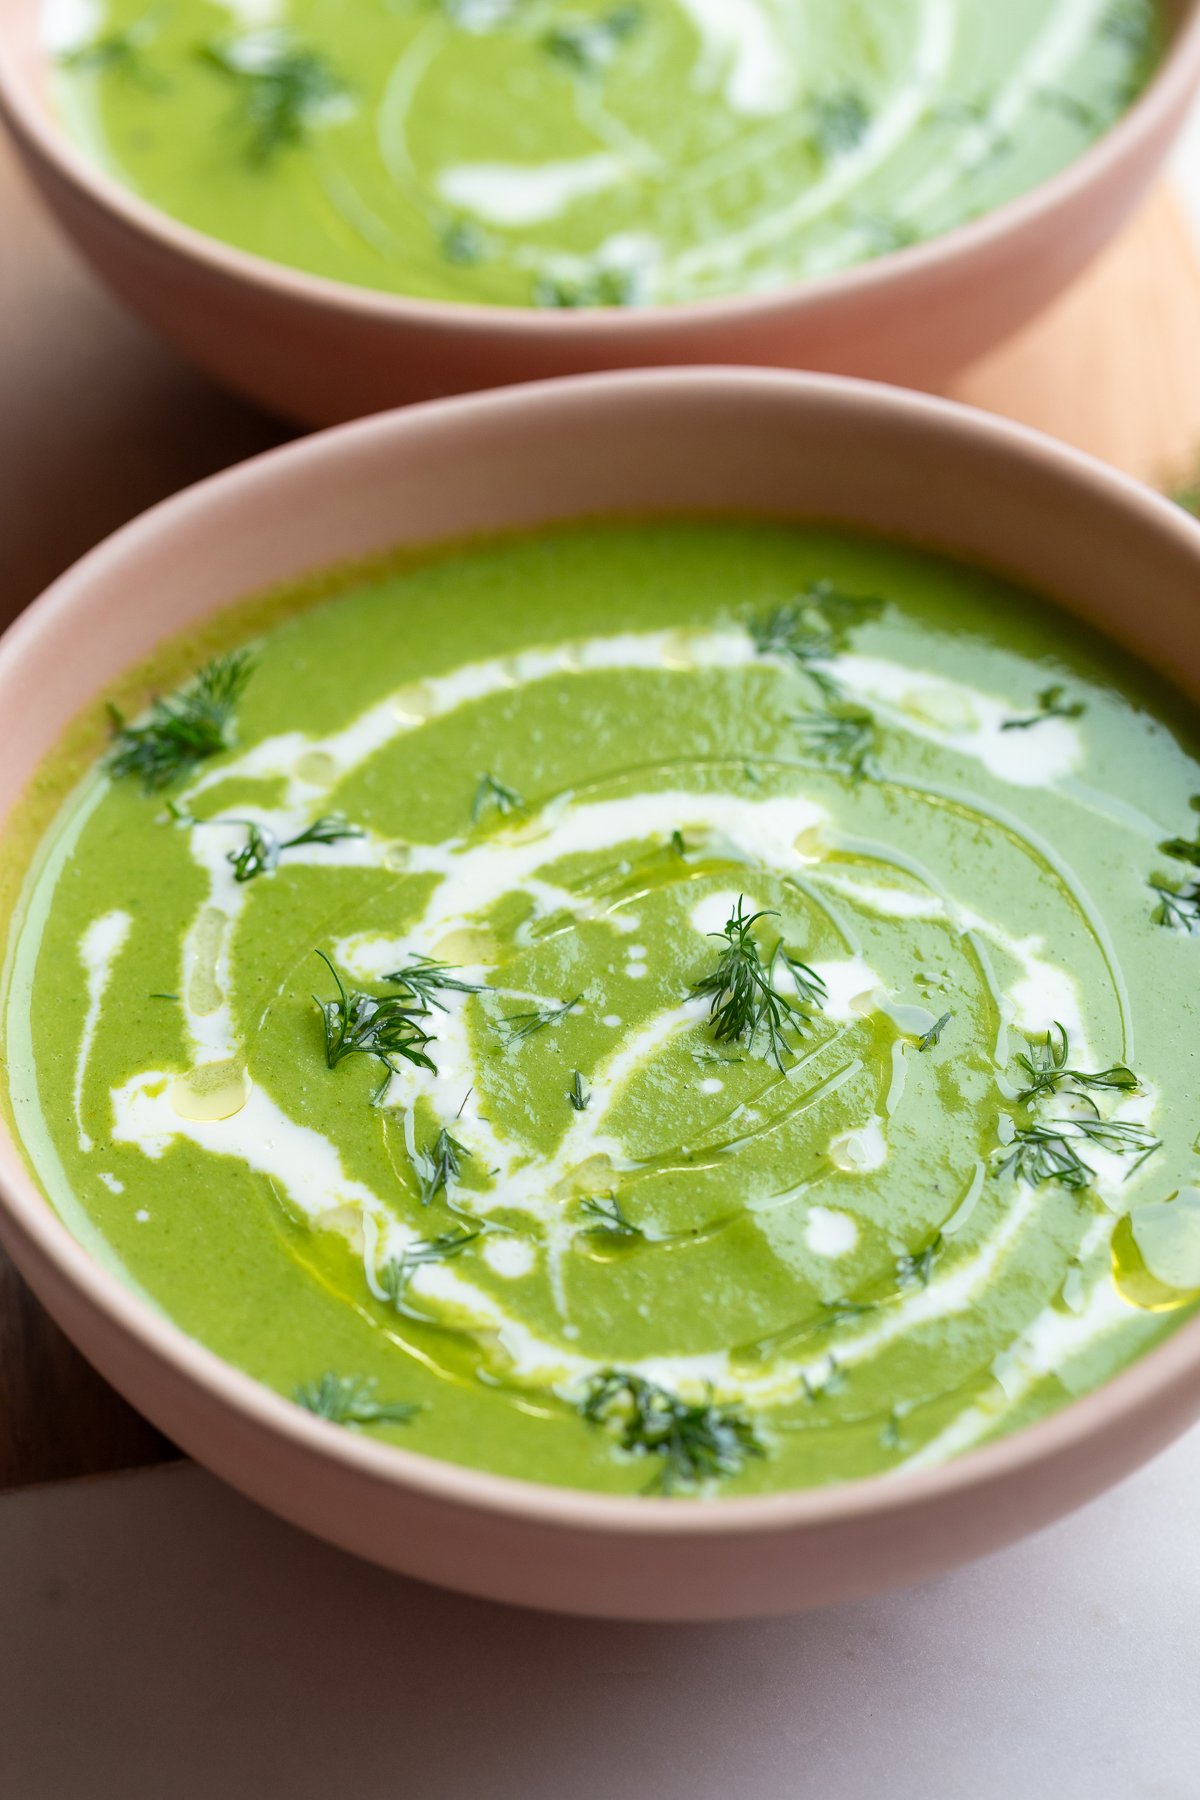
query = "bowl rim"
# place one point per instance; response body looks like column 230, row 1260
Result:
column 47, row 1243
column 31, row 115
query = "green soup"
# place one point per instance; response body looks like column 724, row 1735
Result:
column 701, row 1006
column 578, row 152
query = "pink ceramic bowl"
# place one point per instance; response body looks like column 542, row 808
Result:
column 319, row 351
column 699, row 441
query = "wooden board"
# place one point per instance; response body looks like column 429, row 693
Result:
column 97, row 421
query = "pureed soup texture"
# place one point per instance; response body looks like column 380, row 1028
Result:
column 691, row 1007
column 584, row 153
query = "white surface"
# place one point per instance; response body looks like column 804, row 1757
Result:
column 164, row 1640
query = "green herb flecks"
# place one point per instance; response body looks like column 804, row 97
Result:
column 398, row 1271
column 610, row 1221
column 1041, row 1153
column 744, row 1000
column 350, row 1400
column 812, row 628
column 182, row 731
column 1051, row 704
column 358, row 1024
column 840, row 740
column 587, row 47
column 121, row 51
column 464, row 243
column 282, row 87
column 934, row 1034
column 493, row 795
column 1133, row 24
column 1071, row 107
column 1124, row 1137
column 884, row 233
column 840, row 123
column 1047, row 1068
column 692, row 1443
column 578, row 1094
column 916, row 1269
column 570, row 287
column 261, row 852
column 1184, row 849
column 424, row 979
column 440, row 1165
column 1177, row 908
column 516, row 1027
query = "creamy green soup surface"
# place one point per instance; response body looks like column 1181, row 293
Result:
column 691, row 1006
column 590, row 152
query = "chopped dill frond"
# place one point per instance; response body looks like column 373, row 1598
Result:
column 518, row 1026
column 398, row 1271
column 425, row 978
column 281, row 85
column 611, row 1220
column 1046, row 1067
column 692, row 1443
column 358, row 1024
column 934, row 1034
column 440, row 1165
column 1051, row 704
column 350, row 1400
column 577, row 1094
column 493, row 793
column 744, row 1000
column 183, row 730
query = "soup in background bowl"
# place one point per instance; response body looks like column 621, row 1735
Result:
column 654, row 1026
column 336, row 217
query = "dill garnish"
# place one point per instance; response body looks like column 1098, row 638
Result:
column 1132, row 24
column 588, row 46
column 692, row 1443
column 1184, row 849
column 358, row 1024
column 518, row 1026
column 1124, row 1137
column 840, row 122
column 1047, row 1070
column 424, row 979
column 934, row 1034
column 612, row 1221
column 464, row 243
column 578, row 1095
column 350, row 1400
column 439, row 1165
column 1178, row 908
column 281, row 85
column 183, row 730
column 811, row 628
column 1069, row 106
column 1051, row 704
column 743, row 997
column 491, row 792
column 916, row 1270
column 261, row 852
column 592, row 284
column 121, row 51
column 844, row 740
column 1041, row 1153
column 398, row 1271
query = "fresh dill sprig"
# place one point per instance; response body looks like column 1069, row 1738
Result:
column 934, row 1034
column 1124, row 1137
column 611, row 1220
column 398, row 1271
column 577, row 1094
column 464, row 243
column 692, row 1442
column 743, row 998
column 439, row 1165
column 916, row 1269
column 183, row 730
column 518, row 1026
column 1046, row 1067
column 261, row 852
column 121, row 51
column 588, row 46
column 1041, row 1153
column 811, row 628
column 597, row 284
column 350, row 1400
column 493, row 793
column 425, row 978
column 840, row 122
column 358, row 1024
column 1178, row 908
column 281, row 85
column 844, row 740
column 810, row 987
column 1051, row 704
column 1184, row 849
column 1132, row 24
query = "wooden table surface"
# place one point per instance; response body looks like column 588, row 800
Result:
column 98, row 421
